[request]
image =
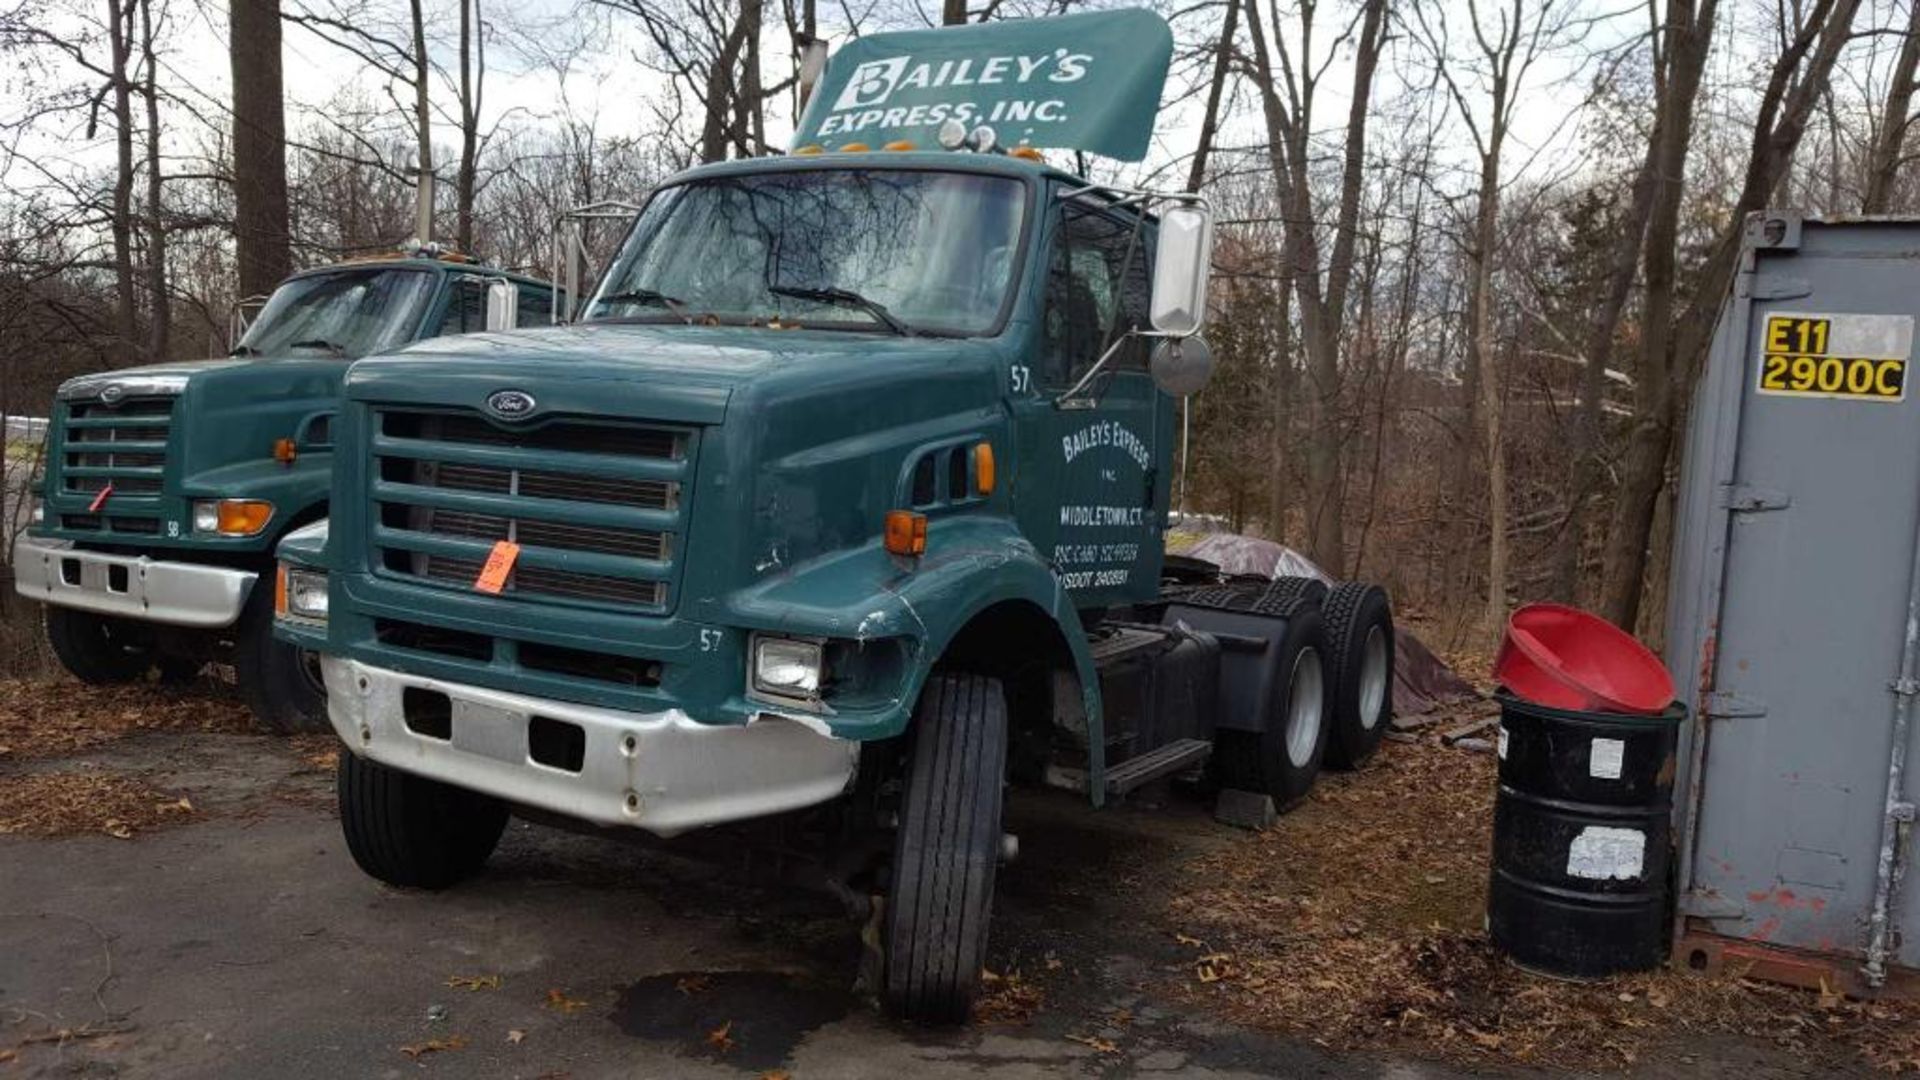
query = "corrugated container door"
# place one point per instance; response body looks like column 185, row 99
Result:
column 1793, row 566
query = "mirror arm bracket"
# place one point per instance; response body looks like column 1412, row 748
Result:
column 1067, row 399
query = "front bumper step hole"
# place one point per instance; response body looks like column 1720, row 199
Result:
column 428, row 712
column 556, row 743
column 116, row 578
column 70, row 571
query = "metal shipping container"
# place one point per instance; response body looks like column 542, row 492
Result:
column 1794, row 612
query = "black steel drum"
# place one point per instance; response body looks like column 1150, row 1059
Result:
column 1581, row 838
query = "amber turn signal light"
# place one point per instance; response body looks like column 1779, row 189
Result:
column 243, row 517
column 906, row 532
column 983, row 468
column 284, row 451
column 280, row 589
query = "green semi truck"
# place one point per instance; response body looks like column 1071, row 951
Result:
column 843, row 500
column 166, row 487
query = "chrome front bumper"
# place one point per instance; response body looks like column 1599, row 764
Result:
column 662, row 772
column 131, row 586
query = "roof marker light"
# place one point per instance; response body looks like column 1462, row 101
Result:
column 899, row 144
column 1026, row 153
column 854, row 148
column 812, row 148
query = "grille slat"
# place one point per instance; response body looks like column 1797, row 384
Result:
column 123, row 444
column 491, row 495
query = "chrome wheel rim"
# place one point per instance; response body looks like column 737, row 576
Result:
column 1306, row 695
column 1374, row 675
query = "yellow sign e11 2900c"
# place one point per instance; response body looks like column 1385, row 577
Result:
column 1836, row 356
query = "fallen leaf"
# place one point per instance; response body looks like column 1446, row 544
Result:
column 1193, row 941
column 720, row 1039
column 118, row 831
column 471, row 983
column 434, row 1046
column 558, row 999
column 516, row 1036
column 693, row 984
column 7, row 1055
column 182, row 804
column 1098, row 1043
column 776, row 1074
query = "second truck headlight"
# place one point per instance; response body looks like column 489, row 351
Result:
column 784, row 667
column 302, row 594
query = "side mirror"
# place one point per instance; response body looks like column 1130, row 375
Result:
column 503, row 305
column 1182, row 262
column 1181, row 366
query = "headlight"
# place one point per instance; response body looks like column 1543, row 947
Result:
column 231, row 517
column 784, row 667
column 301, row 594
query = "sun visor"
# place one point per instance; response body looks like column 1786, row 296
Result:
column 1083, row 82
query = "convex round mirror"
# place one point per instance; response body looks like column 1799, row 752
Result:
column 1181, row 366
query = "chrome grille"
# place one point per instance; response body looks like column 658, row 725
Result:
column 593, row 505
column 123, row 444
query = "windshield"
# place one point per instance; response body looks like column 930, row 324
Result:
column 347, row 313
column 889, row 250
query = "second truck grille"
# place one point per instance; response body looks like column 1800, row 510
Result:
column 593, row 505
column 123, row 444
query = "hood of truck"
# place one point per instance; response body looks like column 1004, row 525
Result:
column 656, row 371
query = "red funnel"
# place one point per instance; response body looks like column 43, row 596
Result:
column 1565, row 658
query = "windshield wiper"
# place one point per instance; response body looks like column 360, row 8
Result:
column 648, row 296
column 845, row 298
column 320, row 343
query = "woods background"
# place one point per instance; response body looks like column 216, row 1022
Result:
column 1469, row 260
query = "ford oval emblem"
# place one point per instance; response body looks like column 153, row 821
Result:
column 510, row 404
column 111, row 393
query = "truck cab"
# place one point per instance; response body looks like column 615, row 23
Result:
column 167, row 487
column 842, row 500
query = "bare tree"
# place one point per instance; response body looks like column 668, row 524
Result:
column 1320, row 289
column 1672, row 345
column 1896, row 115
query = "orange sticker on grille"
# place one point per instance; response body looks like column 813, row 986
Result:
column 100, row 500
column 493, row 576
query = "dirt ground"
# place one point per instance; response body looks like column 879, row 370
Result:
column 175, row 900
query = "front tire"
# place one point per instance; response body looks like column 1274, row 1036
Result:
column 99, row 650
column 411, row 831
column 280, row 682
column 946, row 851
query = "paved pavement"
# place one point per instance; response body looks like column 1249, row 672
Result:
column 246, row 944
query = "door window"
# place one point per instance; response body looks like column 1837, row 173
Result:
column 1097, row 289
column 466, row 308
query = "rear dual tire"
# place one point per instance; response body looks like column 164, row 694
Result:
column 1359, row 622
column 1283, row 759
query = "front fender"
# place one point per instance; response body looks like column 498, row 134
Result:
column 294, row 489
column 865, row 594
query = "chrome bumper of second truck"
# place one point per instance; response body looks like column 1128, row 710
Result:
column 152, row 590
column 662, row 772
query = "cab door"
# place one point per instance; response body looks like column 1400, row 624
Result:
column 1092, row 485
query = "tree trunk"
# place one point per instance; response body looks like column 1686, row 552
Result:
column 473, row 73
column 159, row 313
column 119, row 39
column 1210, row 122
column 953, row 13
column 1480, row 308
column 423, row 130
column 261, row 245
column 1894, row 118
column 1280, row 458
